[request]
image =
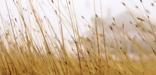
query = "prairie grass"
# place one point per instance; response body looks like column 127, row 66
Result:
column 30, row 45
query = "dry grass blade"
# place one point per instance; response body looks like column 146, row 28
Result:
column 31, row 45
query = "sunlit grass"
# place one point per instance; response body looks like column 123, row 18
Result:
column 25, row 50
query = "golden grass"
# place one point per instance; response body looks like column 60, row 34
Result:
column 97, row 54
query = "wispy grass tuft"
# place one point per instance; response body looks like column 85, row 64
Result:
column 30, row 45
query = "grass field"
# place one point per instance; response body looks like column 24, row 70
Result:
column 29, row 44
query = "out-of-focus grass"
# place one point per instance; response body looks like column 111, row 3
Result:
column 16, row 63
column 97, row 54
